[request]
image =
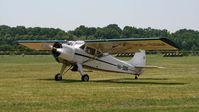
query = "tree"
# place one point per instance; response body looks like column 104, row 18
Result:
column 84, row 31
column 184, row 38
column 109, row 32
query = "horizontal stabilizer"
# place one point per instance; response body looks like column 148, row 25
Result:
column 149, row 67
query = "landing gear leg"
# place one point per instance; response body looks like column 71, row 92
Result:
column 85, row 77
column 58, row 76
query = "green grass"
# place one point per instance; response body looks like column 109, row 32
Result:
column 27, row 84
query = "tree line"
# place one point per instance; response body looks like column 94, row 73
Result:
column 184, row 38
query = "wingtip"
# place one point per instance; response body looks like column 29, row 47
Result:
column 166, row 40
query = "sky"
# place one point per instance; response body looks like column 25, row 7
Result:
column 70, row 14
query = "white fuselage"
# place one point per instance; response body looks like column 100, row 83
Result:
column 76, row 54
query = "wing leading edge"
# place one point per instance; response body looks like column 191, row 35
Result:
column 131, row 44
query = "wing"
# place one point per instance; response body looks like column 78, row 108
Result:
column 131, row 44
column 39, row 44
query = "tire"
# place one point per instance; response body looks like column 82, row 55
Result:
column 58, row 77
column 85, row 78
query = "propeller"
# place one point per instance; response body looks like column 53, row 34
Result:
column 57, row 45
column 54, row 49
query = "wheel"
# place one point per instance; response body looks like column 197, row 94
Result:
column 58, row 77
column 85, row 78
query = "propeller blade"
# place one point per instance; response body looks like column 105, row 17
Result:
column 47, row 46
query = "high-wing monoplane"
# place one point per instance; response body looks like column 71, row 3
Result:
column 97, row 54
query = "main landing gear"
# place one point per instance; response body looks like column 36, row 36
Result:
column 84, row 77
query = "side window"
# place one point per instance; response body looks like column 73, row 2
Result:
column 90, row 51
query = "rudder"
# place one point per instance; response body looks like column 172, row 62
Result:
column 139, row 59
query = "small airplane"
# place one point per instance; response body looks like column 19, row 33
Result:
column 97, row 54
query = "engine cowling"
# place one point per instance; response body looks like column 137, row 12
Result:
column 66, row 53
column 63, row 51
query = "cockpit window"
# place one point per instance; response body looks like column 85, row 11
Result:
column 82, row 47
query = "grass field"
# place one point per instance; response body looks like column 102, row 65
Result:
column 27, row 84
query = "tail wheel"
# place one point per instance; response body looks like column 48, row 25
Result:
column 85, row 78
column 136, row 77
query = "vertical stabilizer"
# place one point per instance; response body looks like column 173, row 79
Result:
column 139, row 59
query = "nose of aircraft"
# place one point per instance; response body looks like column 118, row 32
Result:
column 65, row 52
column 55, row 52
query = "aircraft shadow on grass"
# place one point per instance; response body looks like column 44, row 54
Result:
column 125, row 81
